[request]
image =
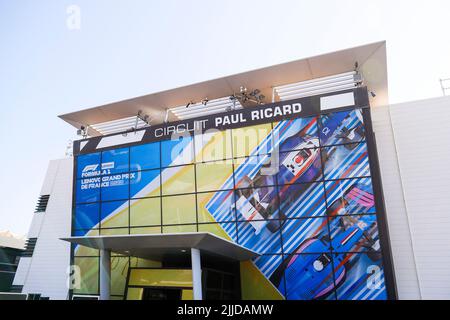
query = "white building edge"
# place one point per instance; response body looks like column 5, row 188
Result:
column 413, row 152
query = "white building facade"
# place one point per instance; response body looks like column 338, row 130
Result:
column 412, row 141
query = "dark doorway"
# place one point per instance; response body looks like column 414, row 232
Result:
column 161, row 294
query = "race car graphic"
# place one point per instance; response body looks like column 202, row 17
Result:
column 354, row 233
column 342, row 128
column 297, row 162
column 349, row 136
column 322, row 239
column 307, row 273
column 350, row 197
column 256, row 205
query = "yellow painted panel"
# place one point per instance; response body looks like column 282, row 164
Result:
column 213, row 146
column 179, row 209
column 118, row 220
column 246, row 139
column 145, row 230
column 145, row 212
column 135, row 293
column 187, row 294
column 212, row 175
column 184, row 228
column 160, row 277
column 82, row 251
column 112, row 232
column 178, row 180
column 214, row 228
column 203, row 214
column 89, row 273
column 255, row 286
column 119, row 271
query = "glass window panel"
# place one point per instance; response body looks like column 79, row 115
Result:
column 89, row 273
column 179, row 209
column 299, row 166
column 214, row 145
column 255, row 171
column 305, row 235
column 144, row 157
column 178, row 180
column 214, row 176
column 88, row 165
column 184, row 228
column 308, row 276
column 113, row 232
column 342, row 127
column 252, row 140
column 345, row 161
column 359, row 276
column 82, row 251
column 262, row 236
column 119, row 272
column 85, row 232
column 115, row 161
column 87, row 216
column 145, row 184
column 114, row 214
column 216, row 206
column 257, row 204
column 88, row 190
column 350, row 196
column 145, row 212
column 302, row 200
column 115, row 187
column 223, row 230
column 354, row 233
column 296, row 134
column 145, row 230
column 177, row 152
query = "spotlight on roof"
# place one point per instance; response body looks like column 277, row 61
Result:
column 205, row 101
column 243, row 97
column 83, row 131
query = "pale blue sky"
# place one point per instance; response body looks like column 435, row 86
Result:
column 130, row 48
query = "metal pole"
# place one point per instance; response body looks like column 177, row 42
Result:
column 196, row 274
column 105, row 274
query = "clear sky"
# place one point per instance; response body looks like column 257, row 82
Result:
column 130, row 48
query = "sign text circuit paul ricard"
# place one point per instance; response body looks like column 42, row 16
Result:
column 223, row 121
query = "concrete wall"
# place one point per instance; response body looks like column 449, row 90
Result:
column 45, row 271
column 413, row 141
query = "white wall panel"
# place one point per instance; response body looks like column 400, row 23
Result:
column 22, row 271
column 46, row 273
column 400, row 233
column 422, row 134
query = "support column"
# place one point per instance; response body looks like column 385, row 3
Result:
column 105, row 274
column 196, row 274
